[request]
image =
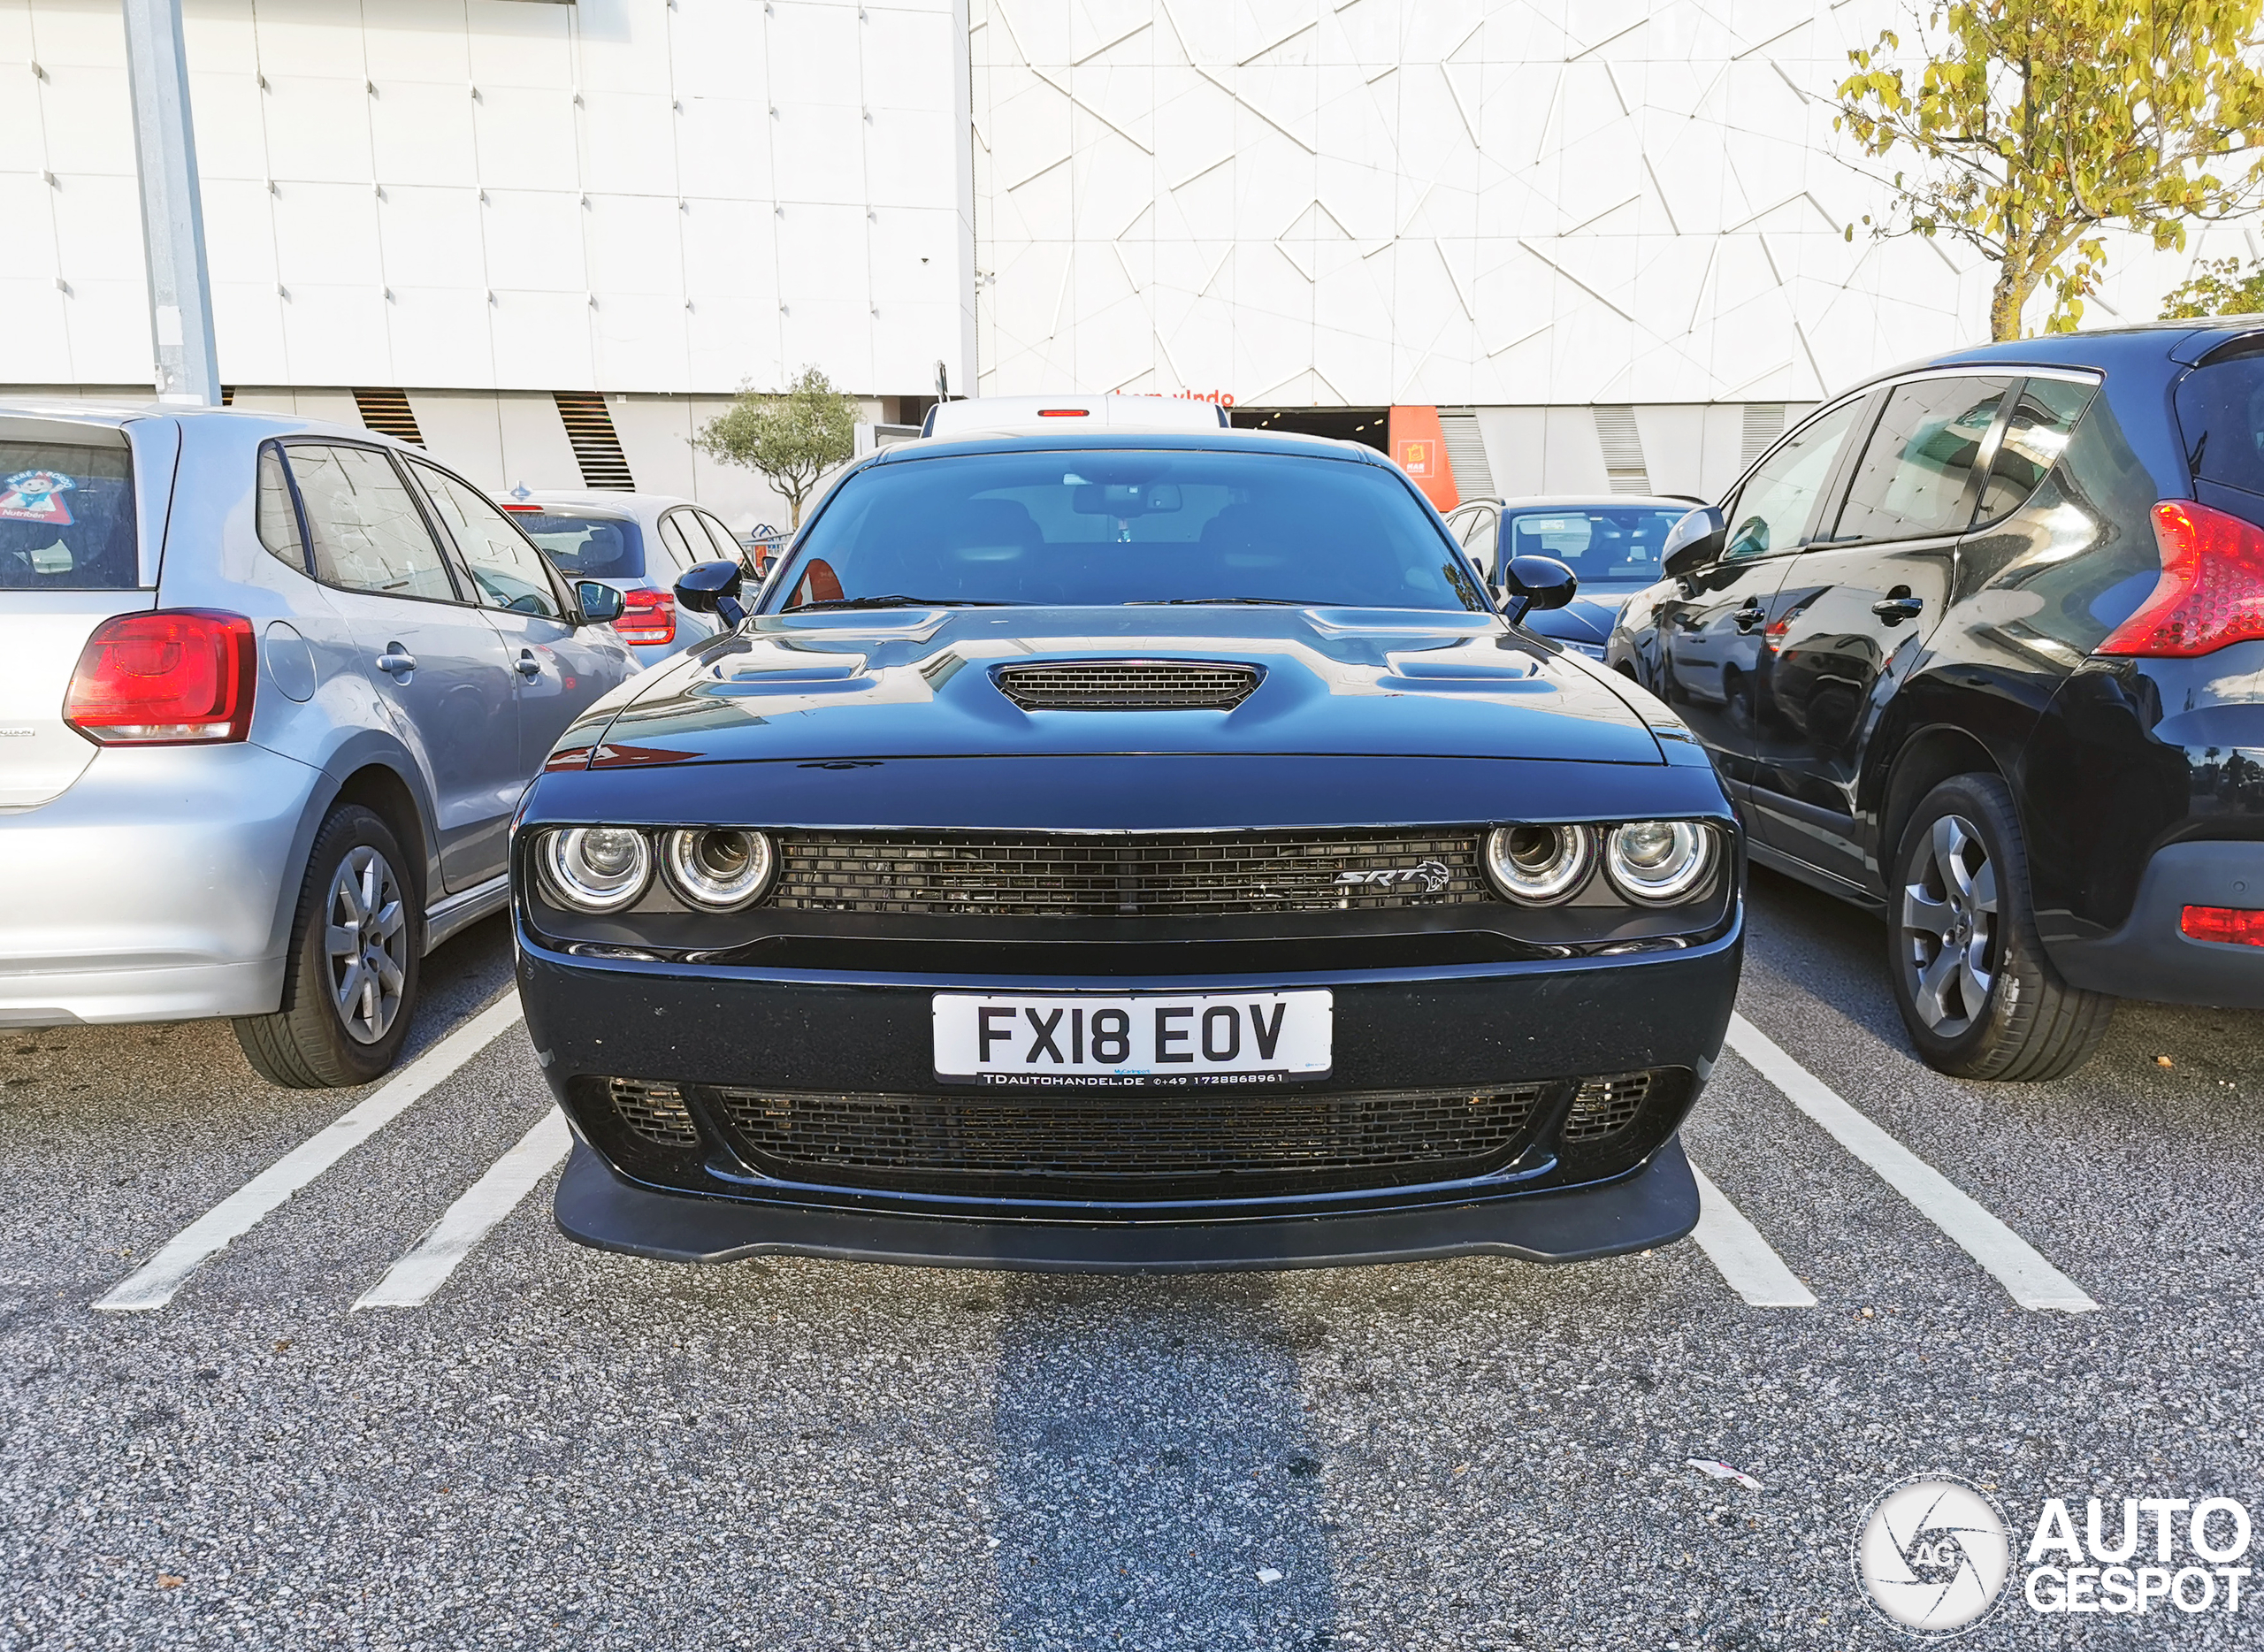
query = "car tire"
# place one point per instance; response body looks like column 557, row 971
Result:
column 1980, row 998
column 345, row 1013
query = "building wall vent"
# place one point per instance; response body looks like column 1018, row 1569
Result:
column 597, row 449
column 1474, row 477
column 387, row 412
column 1623, row 449
column 1764, row 422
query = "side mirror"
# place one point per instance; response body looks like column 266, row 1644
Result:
column 714, row 588
column 1693, row 541
column 602, row 604
column 1536, row 583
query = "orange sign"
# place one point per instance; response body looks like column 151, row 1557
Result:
column 1420, row 447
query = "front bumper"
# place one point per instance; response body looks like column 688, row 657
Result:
column 1653, row 1205
column 154, row 889
column 2151, row 957
column 1464, row 1027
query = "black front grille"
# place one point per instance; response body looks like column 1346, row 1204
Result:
column 656, row 1112
column 1220, row 1145
column 1127, row 686
column 1112, row 875
column 1602, row 1105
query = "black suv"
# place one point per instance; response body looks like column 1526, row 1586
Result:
column 1980, row 644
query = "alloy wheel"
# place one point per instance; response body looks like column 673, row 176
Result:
column 368, row 943
column 1950, row 927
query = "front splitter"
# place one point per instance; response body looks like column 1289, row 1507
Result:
column 1653, row 1205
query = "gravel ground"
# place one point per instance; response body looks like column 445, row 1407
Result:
column 574, row 1450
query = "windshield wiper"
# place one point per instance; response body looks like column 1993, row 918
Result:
column 1270, row 602
column 897, row 602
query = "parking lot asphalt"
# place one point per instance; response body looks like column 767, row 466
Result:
column 566, row 1449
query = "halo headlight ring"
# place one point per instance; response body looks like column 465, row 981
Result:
column 595, row 868
column 1539, row 866
column 1657, row 864
column 718, row 869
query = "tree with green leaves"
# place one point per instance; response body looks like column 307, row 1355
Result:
column 792, row 438
column 2035, row 124
column 2217, row 287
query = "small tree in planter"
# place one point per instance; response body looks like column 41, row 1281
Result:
column 791, row 439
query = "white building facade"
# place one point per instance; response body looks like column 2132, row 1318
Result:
column 1606, row 240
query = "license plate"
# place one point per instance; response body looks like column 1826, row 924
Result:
column 1095, row 1043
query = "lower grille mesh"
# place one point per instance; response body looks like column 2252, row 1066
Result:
column 1059, row 875
column 1602, row 1105
column 1320, row 1141
column 656, row 1112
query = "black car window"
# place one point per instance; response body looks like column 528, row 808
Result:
column 585, row 546
column 368, row 534
column 2034, row 439
column 2220, row 413
column 677, row 533
column 1604, row 547
column 1106, row 526
column 66, row 514
column 1480, row 540
column 1916, row 474
column 1773, row 507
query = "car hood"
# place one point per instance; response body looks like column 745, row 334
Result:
column 919, row 683
column 1587, row 619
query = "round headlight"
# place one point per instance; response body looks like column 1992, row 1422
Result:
column 596, row 868
column 1657, row 862
column 1539, row 864
column 718, row 869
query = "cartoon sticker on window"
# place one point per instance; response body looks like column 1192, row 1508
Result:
column 37, row 496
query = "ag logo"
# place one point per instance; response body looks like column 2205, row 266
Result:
column 1933, row 1556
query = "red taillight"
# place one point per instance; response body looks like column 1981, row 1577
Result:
column 2237, row 925
column 171, row 678
column 1065, row 412
column 2210, row 592
column 528, row 510
column 648, row 616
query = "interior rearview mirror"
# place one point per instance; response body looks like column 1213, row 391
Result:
column 713, row 588
column 1530, row 584
column 1693, row 541
column 602, row 604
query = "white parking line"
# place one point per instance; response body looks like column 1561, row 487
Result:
column 1735, row 1247
column 410, row 1282
column 2033, row 1282
column 154, row 1285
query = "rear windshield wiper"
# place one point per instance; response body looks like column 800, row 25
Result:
column 1270, row 602
column 894, row 601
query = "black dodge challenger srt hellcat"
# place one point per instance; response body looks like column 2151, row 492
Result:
column 1099, row 848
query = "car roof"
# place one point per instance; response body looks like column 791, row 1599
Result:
column 981, row 415
column 1105, row 440
column 621, row 501
column 1591, row 501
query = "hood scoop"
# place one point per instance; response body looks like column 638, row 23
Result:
column 1127, row 684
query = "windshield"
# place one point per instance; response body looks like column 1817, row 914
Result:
column 1100, row 528
column 587, row 548
column 66, row 516
column 1603, row 546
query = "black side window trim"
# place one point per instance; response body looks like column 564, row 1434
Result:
column 298, row 504
column 441, row 542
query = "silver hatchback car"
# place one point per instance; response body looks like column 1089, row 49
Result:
column 638, row 543
column 269, row 691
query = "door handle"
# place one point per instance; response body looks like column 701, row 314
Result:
column 1751, row 615
column 528, row 665
column 1894, row 610
column 396, row 662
